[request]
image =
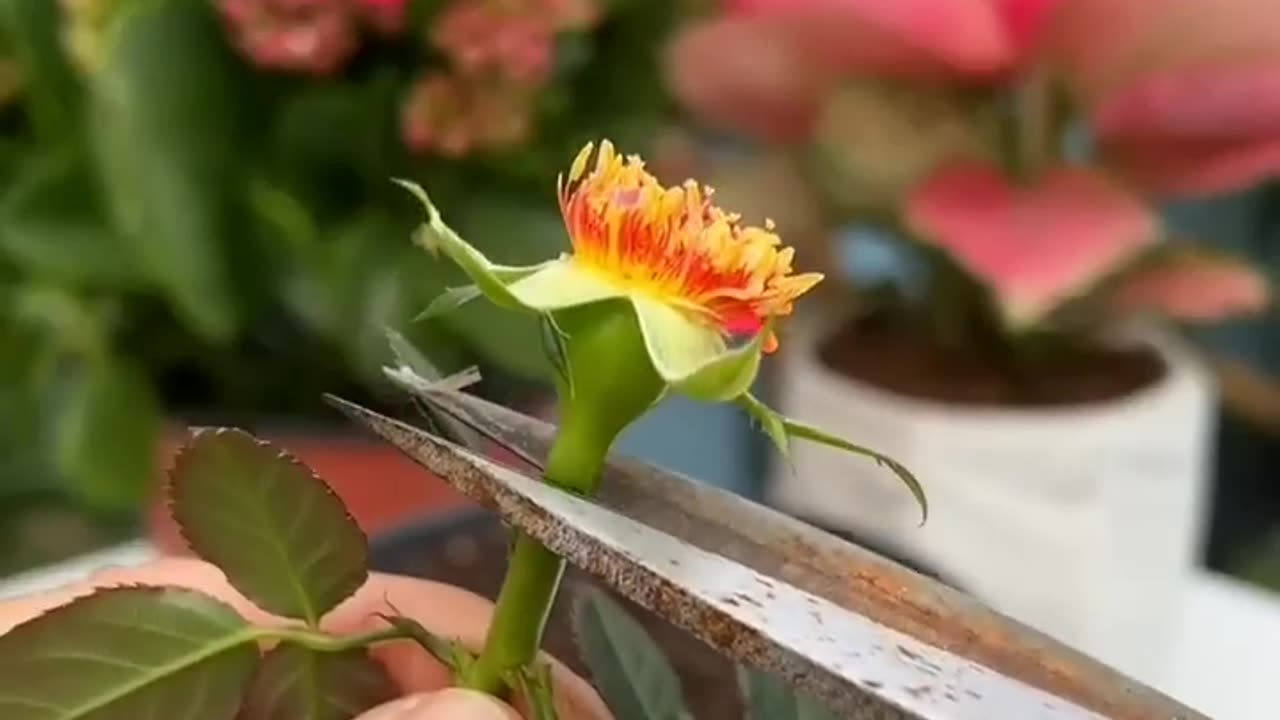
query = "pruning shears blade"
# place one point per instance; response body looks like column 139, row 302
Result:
column 869, row 637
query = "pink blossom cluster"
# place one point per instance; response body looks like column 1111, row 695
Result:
column 499, row 54
column 312, row 36
column 454, row 115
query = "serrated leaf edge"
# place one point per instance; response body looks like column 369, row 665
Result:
column 171, row 484
column 247, row 634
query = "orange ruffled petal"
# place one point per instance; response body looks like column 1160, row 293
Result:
column 674, row 245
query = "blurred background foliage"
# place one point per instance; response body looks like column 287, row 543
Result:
column 187, row 230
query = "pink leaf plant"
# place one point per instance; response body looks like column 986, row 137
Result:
column 1181, row 97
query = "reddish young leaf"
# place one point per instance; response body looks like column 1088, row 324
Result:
column 277, row 531
column 1025, row 21
column 1102, row 46
column 904, row 38
column 1181, row 168
column 749, row 76
column 1184, row 96
column 294, row 683
column 1035, row 246
column 126, row 653
column 1192, row 285
column 1235, row 101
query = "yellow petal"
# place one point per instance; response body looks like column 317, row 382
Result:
column 562, row 284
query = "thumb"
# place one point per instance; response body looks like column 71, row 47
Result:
column 447, row 704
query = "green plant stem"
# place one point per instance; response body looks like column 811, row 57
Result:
column 324, row 642
column 1035, row 140
column 534, row 572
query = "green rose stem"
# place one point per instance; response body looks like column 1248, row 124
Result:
column 606, row 382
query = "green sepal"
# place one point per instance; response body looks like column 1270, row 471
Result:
column 490, row 279
column 782, row 430
column 448, row 301
column 730, row 374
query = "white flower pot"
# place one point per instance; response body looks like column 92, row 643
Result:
column 1083, row 522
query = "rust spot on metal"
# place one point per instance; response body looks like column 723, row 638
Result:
column 919, row 692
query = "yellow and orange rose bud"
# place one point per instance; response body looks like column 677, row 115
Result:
column 662, row 290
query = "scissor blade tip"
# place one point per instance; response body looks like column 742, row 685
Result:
column 359, row 414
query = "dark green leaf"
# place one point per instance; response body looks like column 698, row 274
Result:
column 163, row 129
column 629, row 670
column 52, row 94
column 294, row 683
column 129, row 653
column 768, row 698
column 282, row 537
column 52, row 225
column 107, row 435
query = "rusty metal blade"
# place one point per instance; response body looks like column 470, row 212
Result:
column 885, row 597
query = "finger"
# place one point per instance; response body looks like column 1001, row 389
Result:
column 449, row 704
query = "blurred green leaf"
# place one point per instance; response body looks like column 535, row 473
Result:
column 52, row 225
column 129, row 652
column 162, row 123
column 52, row 91
column 294, row 683
column 366, row 283
column 630, row 671
column 338, row 142
column 277, row 531
column 106, row 435
column 768, row 698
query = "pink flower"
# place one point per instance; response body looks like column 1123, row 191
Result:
column 386, row 16
column 314, row 36
column 455, row 115
column 481, row 36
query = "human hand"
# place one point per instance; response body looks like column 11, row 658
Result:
column 443, row 610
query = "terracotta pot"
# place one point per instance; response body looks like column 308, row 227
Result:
column 1082, row 521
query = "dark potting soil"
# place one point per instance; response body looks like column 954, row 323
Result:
column 900, row 358
column 469, row 550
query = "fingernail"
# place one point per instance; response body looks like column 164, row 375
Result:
column 452, row 703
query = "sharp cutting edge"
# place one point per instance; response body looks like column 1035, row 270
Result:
column 873, row 639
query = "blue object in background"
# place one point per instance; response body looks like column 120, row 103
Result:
column 714, row 443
